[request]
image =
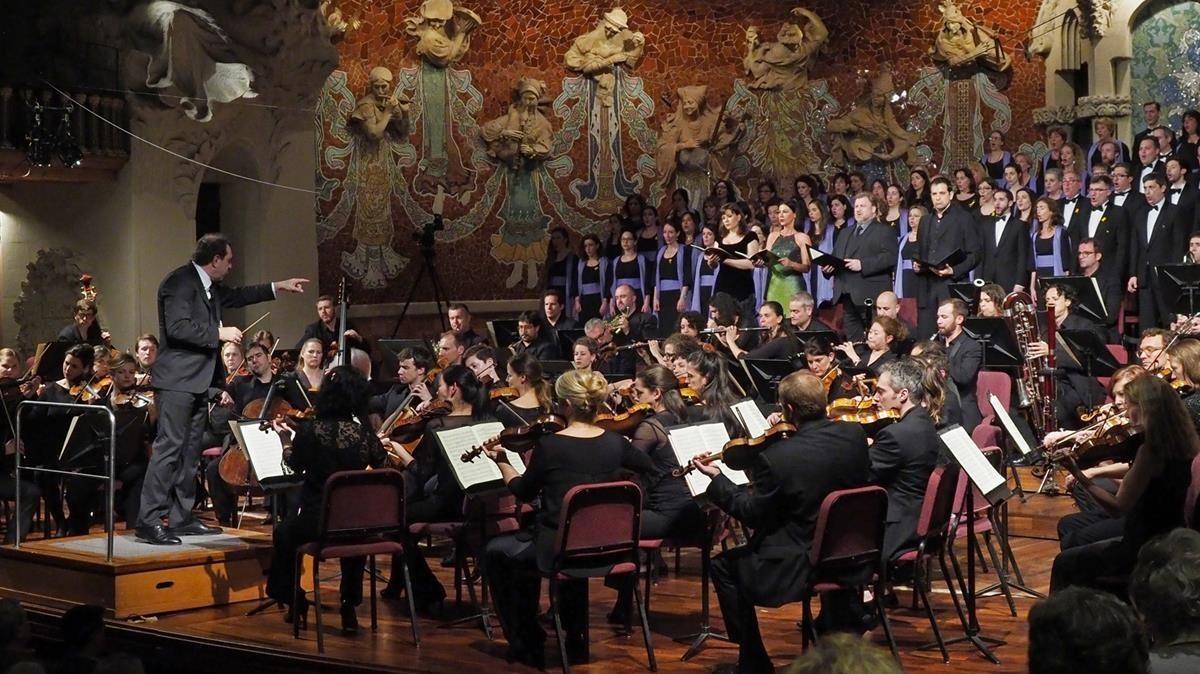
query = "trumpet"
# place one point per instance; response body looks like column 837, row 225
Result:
column 614, row 323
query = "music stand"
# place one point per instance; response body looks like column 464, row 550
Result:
column 1179, row 286
column 49, row 360
column 503, row 332
column 1090, row 352
column 999, row 344
column 967, row 292
column 389, row 356
column 1089, row 300
column 567, row 338
column 553, row 368
column 765, row 374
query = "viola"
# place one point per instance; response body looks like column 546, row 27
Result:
column 860, row 410
column 739, row 453
column 624, row 422
column 519, row 438
column 410, row 424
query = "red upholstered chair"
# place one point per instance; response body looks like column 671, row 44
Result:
column 908, row 310
column 598, row 537
column 846, row 551
column 832, row 316
column 362, row 515
column 1119, row 353
column 987, row 435
column 999, row 383
column 933, row 527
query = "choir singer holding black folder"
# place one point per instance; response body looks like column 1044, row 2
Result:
column 947, row 238
column 868, row 252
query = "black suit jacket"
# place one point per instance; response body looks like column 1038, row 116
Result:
column 1112, row 289
column 1167, row 245
column 791, row 479
column 1159, row 166
column 1006, row 263
column 1187, row 205
column 902, row 457
column 936, row 240
column 1112, row 234
column 876, row 248
column 966, row 359
column 188, row 324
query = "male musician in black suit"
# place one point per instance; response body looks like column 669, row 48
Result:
column 1090, row 259
column 554, row 317
column 529, row 329
column 190, row 302
column 326, row 325
column 801, row 314
column 948, row 228
column 1073, row 388
column 869, row 249
column 1151, row 111
column 904, row 453
column 965, row 357
column 459, row 317
column 633, row 325
column 1157, row 238
column 791, row 479
column 1148, row 162
column 1005, row 246
column 1105, row 224
column 1182, row 193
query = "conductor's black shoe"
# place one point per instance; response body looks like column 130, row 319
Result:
column 194, row 528
column 156, row 535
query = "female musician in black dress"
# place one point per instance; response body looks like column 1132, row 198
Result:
column 1151, row 495
column 708, row 374
column 737, row 272
column 876, row 351
column 525, row 375
column 775, row 342
column 582, row 453
column 332, row 442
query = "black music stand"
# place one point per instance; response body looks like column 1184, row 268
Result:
column 1089, row 300
column 551, row 369
column 567, row 338
column 1000, row 348
column 503, row 333
column 765, row 374
column 1090, row 352
column 967, row 292
column 819, row 336
column 49, row 364
column 1179, row 286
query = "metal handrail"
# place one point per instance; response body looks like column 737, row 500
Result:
column 110, row 478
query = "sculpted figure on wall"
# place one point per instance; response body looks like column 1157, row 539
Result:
column 523, row 134
column 684, row 157
column 608, row 46
column 869, row 130
column 443, row 31
column 783, row 65
column 962, row 43
column 379, row 119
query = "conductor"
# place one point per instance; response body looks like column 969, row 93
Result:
column 190, row 301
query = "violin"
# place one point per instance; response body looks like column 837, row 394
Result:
column 739, row 453
column 504, row 393
column 1111, row 431
column 409, row 424
column 690, row 395
column 12, row 390
column 136, row 398
column 626, row 421
column 829, row 377
column 519, row 438
column 91, row 390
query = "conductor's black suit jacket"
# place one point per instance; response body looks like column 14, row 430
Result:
column 791, row 479
column 188, row 323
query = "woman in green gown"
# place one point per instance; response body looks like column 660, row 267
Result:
column 791, row 245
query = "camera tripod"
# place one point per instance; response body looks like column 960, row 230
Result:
column 426, row 240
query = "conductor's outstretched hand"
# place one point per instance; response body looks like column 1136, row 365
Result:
column 292, row 285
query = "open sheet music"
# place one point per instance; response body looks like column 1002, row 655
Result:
column 1009, row 427
column 265, row 449
column 981, row 471
column 481, row 473
column 692, row 440
column 751, row 418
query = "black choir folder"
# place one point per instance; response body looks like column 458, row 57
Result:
column 956, row 257
column 823, row 259
column 480, row 473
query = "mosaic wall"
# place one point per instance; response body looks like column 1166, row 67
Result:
column 497, row 216
column 1166, row 59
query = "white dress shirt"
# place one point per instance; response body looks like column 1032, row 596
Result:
column 1001, row 223
column 1094, row 221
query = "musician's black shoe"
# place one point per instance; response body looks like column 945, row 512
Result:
column 156, row 535
column 1031, row 459
column 349, row 620
column 194, row 528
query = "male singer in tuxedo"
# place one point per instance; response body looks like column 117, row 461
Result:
column 187, row 372
column 949, row 227
column 1157, row 238
column 1103, row 222
column 1148, row 161
column 1150, row 112
column 869, row 249
column 1006, row 245
column 1072, row 201
column 1182, row 193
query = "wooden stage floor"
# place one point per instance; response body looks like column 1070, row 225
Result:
column 675, row 611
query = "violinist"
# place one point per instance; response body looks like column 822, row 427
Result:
column 101, row 357
column 793, row 475
column 708, row 374
column 449, row 349
column 412, row 383
column 1152, row 494
column 433, row 493
column 332, row 442
column 10, row 371
column 1184, row 357
column 85, row 329
column 876, row 350
column 233, row 359
column 904, row 453
column 529, row 328
column 1150, row 348
column 147, row 353
column 309, row 373
column 582, row 453
column 668, row 510
column 1073, row 388
column 776, row 343
column 481, row 360
column 819, row 356
column 84, row 497
column 533, row 399
column 1093, row 523
column 326, row 326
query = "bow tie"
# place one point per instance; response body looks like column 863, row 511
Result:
column 1155, row 207
column 1175, row 190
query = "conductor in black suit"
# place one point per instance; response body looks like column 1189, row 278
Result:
column 870, row 250
column 949, row 227
column 187, row 372
column 791, row 479
column 1156, row 238
column 1006, row 244
column 904, row 453
column 1106, row 224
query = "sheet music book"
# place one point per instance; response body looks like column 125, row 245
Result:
column 691, row 440
column 751, row 418
column 480, row 473
column 981, row 471
column 822, row 259
column 720, row 252
column 956, row 257
column 265, row 449
column 1009, row 427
